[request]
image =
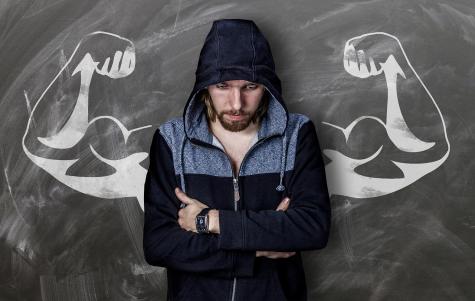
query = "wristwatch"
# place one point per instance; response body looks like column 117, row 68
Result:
column 202, row 221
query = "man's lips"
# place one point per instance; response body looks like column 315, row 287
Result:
column 235, row 117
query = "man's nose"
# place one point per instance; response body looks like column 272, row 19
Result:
column 236, row 101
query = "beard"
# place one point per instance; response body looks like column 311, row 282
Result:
column 235, row 125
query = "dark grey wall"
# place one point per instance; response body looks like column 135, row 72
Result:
column 411, row 238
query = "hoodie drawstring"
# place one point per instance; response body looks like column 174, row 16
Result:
column 281, row 187
column 182, row 167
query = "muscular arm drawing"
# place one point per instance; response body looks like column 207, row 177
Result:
column 98, row 54
column 366, row 58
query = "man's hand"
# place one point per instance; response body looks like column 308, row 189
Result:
column 283, row 205
column 187, row 215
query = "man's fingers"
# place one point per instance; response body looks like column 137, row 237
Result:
column 284, row 204
column 182, row 196
column 285, row 254
column 275, row 254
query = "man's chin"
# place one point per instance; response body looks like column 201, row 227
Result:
column 235, row 126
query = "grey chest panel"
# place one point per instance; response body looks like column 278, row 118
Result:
column 263, row 157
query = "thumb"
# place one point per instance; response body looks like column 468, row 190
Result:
column 182, row 196
column 284, row 204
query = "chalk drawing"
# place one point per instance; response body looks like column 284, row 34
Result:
column 129, row 176
column 341, row 175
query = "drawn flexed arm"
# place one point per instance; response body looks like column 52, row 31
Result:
column 98, row 54
column 365, row 57
column 91, row 62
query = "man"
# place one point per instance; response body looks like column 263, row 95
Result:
column 238, row 155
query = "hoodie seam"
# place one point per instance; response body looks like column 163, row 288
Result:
column 217, row 52
column 253, row 54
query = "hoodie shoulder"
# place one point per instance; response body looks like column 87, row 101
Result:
column 173, row 131
column 294, row 125
column 296, row 121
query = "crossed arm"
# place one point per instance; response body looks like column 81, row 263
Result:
column 304, row 225
column 187, row 216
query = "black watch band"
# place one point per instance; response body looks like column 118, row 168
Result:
column 202, row 221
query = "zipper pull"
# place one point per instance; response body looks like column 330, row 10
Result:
column 236, row 190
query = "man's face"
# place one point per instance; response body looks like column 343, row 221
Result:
column 235, row 103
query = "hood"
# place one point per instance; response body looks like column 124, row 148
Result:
column 235, row 49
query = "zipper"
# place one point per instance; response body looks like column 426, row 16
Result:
column 237, row 195
column 236, row 200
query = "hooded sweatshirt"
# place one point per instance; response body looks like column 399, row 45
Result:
column 284, row 160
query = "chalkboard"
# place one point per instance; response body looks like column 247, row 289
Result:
column 388, row 84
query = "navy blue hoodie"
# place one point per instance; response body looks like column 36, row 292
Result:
column 285, row 161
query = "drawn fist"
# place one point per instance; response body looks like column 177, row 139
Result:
column 366, row 55
column 122, row 65
column 107, row 54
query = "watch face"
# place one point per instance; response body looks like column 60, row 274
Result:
column 201, row 224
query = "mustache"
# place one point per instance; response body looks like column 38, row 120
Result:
column 236, row 113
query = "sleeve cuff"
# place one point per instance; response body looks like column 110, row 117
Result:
column 231, row 231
